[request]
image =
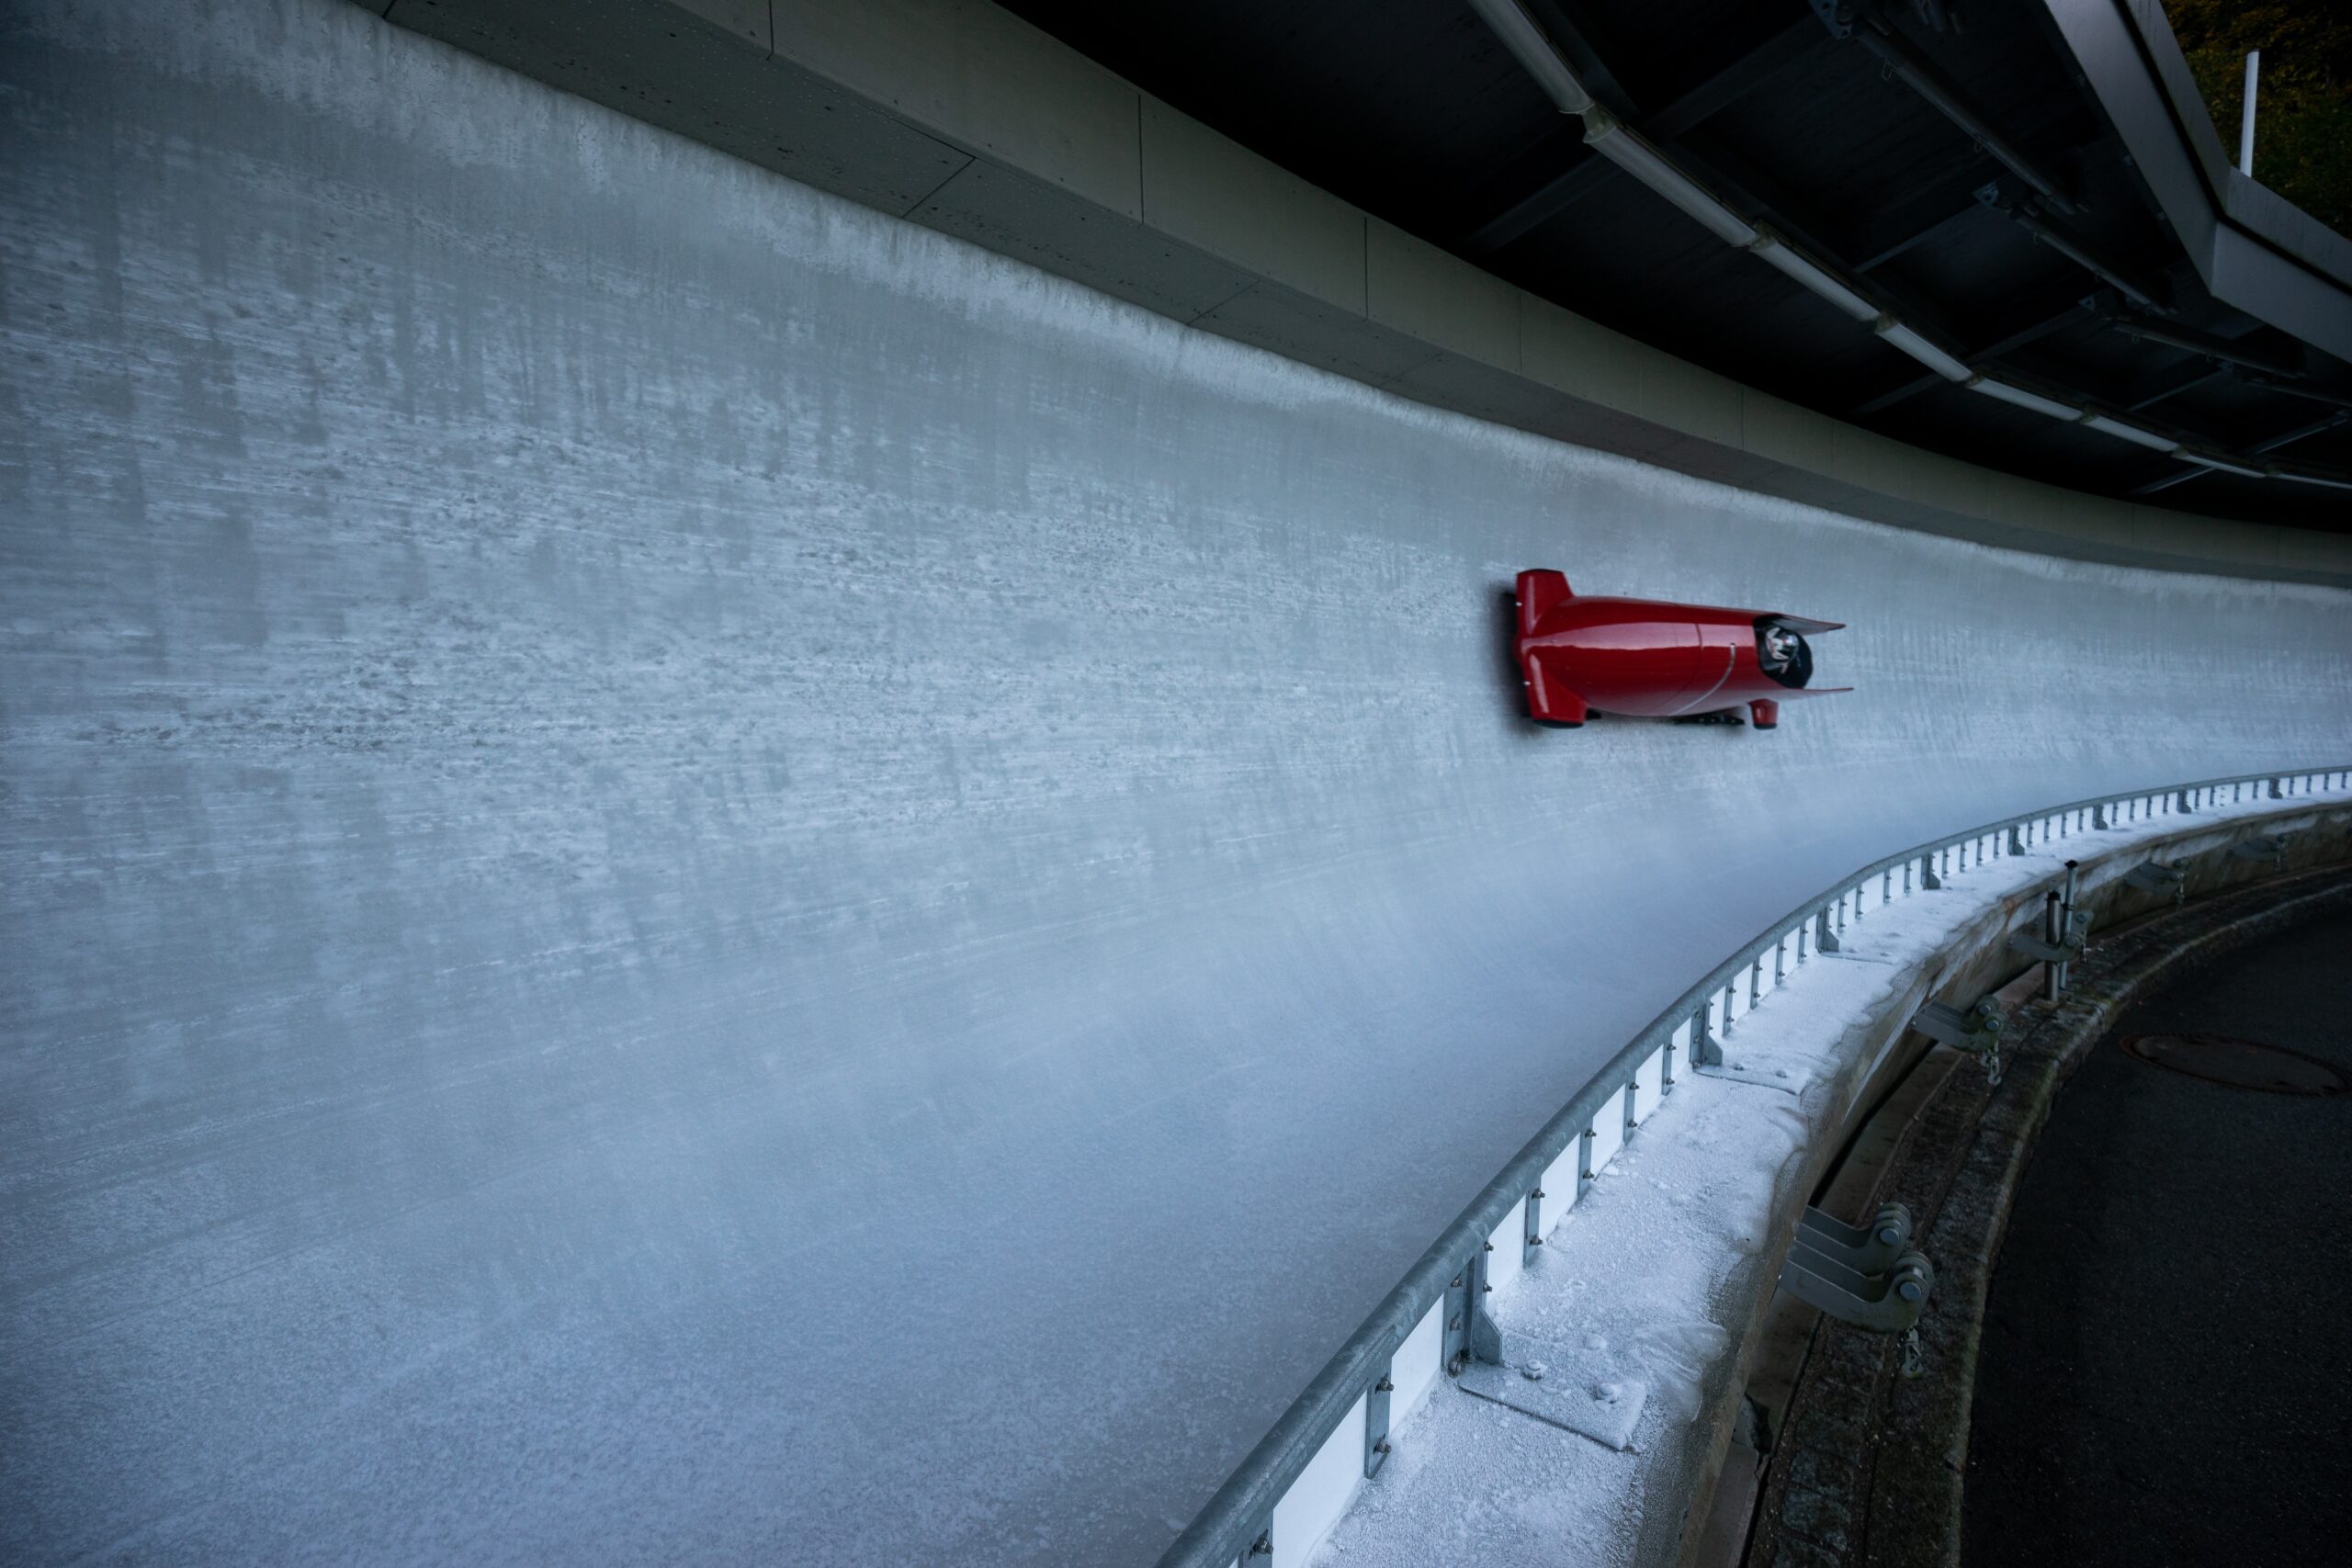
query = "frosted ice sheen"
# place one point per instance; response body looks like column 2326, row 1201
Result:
column 690, row 875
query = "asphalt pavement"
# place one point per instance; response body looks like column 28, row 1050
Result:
column 2166, row 1369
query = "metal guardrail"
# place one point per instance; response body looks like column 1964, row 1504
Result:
column 1236, row 1526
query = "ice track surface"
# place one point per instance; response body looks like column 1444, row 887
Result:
column 692, row 875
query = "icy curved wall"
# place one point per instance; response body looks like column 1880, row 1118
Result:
column 689, row 874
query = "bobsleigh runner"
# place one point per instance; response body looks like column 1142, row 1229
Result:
column 1653, row 660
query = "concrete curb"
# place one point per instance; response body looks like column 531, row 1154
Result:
column 1870, row 1469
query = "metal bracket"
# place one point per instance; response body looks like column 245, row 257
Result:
column 1454, row 1337
column 1535, row 1227
column 2099, row 818
column 2065, row 951
column 2017, row 841
column 2064, row 930
column 1927, row 877
column 2155, row 877
column 2181, row 803
column 1977, row 1030
column 2275, row 794
column 2262, row 846
column 1883, row 1303
column 1706, row 1050
column 1485, row 1339
column 1838, row 16
column 1823, row 939
column 1469, row 1334
column 1867, row 1249
column 1375, row 1422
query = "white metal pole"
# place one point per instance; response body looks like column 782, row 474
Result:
column 2245, row 120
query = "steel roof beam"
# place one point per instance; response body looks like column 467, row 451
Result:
column 2028, row 215
column 1738, row 208
column 1541, row 205
column 1860, row 21
column 1582, row 47
column 2184, row 379
column 2033, row 332
column 2253, row 356
column 2187, row 471
column 1941, row 210
column 1691, row 108
column 1797, row 41
column 1761, row 195
column 2338, row 398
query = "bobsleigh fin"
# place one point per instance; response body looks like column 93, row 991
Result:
column 1539, row 593
column 1803, row 627
column 1809, row 692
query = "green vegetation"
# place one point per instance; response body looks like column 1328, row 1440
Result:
column 2302, row 112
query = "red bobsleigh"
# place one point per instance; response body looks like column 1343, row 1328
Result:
column 1655, row 659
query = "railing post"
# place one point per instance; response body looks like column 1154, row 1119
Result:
column 1823, row 938
column 1375, row 1419
column 1456, row 1332
column 2052, row 976
column 2066, row 918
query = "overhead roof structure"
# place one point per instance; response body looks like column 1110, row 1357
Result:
column 2006, row 233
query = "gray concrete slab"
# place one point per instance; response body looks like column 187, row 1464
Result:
column 1314, row 333
column 1045, row 226
column 704, row 79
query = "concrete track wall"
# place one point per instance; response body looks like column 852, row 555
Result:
column 961, row 117
column 691, row 874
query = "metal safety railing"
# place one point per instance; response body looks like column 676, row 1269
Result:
column 1237, row 1524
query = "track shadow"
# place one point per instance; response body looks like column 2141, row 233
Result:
column 1512, row 693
